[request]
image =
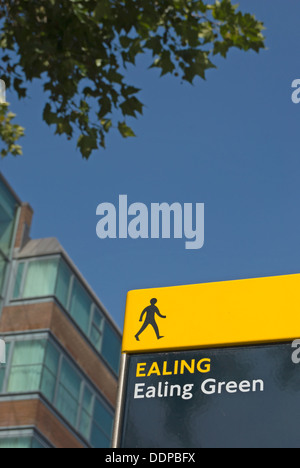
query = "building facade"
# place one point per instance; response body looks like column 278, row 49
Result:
column 58, row 387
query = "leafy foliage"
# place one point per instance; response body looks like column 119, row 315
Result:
column 9, row 133
column 81, row 48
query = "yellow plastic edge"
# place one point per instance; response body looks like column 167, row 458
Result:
column 240, row 312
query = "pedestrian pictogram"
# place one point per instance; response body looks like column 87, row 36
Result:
column 150, row 312
column 225, row 374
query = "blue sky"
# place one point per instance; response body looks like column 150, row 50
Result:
column 231, row 142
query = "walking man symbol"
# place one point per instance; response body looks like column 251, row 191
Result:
column 150, row 312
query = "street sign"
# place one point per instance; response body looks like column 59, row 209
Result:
column 211, row 365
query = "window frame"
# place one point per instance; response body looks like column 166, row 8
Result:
column 13, row 204
column 31, row 434
column 5, row 260
column 26, row 262
column 84, row 381
column 100, row 330
column 95, row 306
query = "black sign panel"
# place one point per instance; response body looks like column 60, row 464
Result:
column 231, row 397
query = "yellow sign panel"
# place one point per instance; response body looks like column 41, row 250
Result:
column 215, row 314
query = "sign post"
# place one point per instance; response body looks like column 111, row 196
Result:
column 211, row 365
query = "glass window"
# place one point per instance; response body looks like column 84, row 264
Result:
column 99, row 439
column 52, row 277
column 27, row 365
column 36, row 444
column 3, row 264
column 111, row 347
column 63, row 283
column 15, row 442
column 41, row 278
column 38, row 365
column 3, row 368
column 102, row 426
column 68, row 393
column 2, row 375
column 20, row 443
column 86, row 413
column 50, row 372
column 81, row 304
column 96, row 330
column 96, row 338
column 18, row 283
column 103, row 418
column 8, row 206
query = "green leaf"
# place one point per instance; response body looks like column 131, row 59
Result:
column 106, row 124
column 166, row 63
column 82, row 60
column 49, row 116
column 105, row 107
column 9, row 133
column 86, row 144
column 131, row 106
column 125, row 131
column 125, row 41
column 154, row 44
column 102, row 10
column 22, row 91
column 129, row 90
column 64, row 126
